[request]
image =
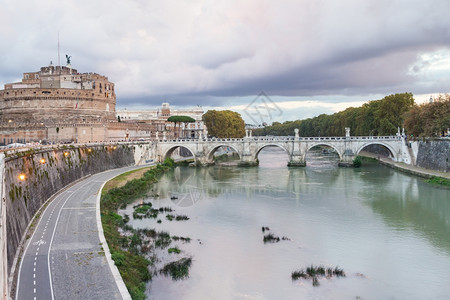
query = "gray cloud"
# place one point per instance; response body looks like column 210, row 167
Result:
column 220, row 52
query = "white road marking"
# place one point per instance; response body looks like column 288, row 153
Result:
column 40, row 242
column 93, row 207
column 53, row 236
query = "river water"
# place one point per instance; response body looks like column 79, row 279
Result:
column 388, row 231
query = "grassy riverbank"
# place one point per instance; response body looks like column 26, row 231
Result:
column 122, row 190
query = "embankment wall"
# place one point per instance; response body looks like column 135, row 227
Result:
column 434, row 155
column 44, row 174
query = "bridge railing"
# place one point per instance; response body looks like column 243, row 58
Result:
column 285, row 139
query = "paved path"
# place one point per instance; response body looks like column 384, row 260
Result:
column 407, row 168
column 64, row 258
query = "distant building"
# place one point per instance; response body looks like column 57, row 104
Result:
column 160, row 116
column 58, row 94
column 58, row 104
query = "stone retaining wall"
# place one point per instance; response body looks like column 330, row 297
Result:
column 44, row 174
column 434, row 155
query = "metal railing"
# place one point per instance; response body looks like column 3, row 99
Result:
column 284, row 139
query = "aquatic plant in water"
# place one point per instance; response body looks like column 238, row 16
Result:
column 177, row 269
column 174, row 250
column 271, row 238
column 313, row 272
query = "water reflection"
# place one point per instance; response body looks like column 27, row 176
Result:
column 412, row 204
column 393, row 228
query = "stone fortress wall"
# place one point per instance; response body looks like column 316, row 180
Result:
column 58, row 94
column 60, row 105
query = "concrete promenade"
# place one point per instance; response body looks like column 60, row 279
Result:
column 66, row 256
column 410, row 169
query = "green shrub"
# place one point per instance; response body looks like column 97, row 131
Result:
column 357, row 162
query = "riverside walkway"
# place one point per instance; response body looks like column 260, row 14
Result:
column 410, row 169
column 67, row 257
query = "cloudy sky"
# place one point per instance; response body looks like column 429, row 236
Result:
column 307, row 56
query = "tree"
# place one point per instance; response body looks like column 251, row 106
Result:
column 429, row 119
column 377, row 117
column 224, row 124
column 389, row 115
column 179, row 120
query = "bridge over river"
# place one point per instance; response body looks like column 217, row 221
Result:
column 32, row 177
column 248, row 148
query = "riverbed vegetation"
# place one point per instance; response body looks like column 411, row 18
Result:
column 177, row 269
column 314, row 272
column 436, row 180
column 271, row 237
column 174, row 250
column 357, row 162
column 145, row 210
column 129, row 246
column 171, row 217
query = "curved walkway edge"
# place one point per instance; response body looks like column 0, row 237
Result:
column 119, row 281
column 410, row 169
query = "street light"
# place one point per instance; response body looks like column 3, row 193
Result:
column 42, row 161
column 22, row 177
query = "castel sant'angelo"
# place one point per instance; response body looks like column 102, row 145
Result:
column 58, row 104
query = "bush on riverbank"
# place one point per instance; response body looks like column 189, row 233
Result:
column 438, row 181
column 125, row 250
column 357, row 162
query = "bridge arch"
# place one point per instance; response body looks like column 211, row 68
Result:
column 325, row 144
column 211, row 151
column 171, row 149
column 271, row 145
column 391, row 150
